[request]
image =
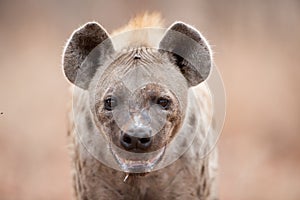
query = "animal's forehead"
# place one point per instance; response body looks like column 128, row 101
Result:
column 135, row 68
column 143, row 66
column 139, row 61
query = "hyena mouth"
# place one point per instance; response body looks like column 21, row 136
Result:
column 137, row 162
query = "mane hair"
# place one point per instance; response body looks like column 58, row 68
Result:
column 132, row 35
column 144, row 20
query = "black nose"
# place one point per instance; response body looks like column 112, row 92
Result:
column 130, row 142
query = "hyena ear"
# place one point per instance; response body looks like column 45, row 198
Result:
column 83, row 54
column 189, row 50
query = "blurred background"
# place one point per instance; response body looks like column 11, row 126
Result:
column 256, row 48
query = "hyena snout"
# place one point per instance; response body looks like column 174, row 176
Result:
column 138, row 139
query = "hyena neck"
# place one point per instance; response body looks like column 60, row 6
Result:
column 93, row 180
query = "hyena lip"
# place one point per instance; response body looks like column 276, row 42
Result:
column 138, row 162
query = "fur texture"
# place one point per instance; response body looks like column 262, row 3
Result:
column 181, row 58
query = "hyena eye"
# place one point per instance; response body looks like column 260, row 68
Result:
column 163, row 102
column 110, row 103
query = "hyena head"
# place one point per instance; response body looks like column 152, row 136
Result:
column 138, row 93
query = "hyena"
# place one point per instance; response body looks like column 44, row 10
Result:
column 135, row 95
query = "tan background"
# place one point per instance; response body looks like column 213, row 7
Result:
column 256, row 45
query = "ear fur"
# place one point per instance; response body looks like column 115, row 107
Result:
column 189, row 50
column 82, row 44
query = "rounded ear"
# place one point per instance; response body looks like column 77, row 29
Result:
column 84, row 43
column 189, row 50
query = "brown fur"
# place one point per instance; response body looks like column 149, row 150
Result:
column 146, row 20
column 189, row 177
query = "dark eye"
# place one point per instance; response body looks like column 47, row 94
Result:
column 110, row 103
column 163, row 102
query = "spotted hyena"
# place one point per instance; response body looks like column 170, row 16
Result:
column 141, row 112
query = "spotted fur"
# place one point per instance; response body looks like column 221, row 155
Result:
column 192, row 176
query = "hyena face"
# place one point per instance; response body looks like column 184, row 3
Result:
column 140, row 109
column 138, row 95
